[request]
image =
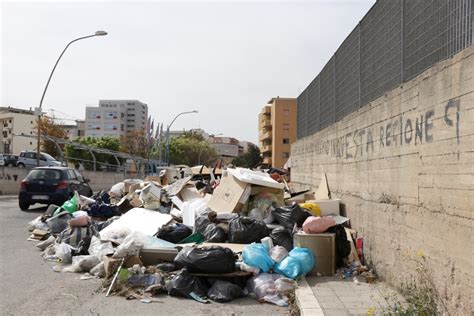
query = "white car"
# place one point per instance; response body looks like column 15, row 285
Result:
column 28, row 159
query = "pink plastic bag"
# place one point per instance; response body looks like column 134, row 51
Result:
column 315, row 225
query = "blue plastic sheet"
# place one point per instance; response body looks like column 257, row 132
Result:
column 256, row 255
column 299, row 261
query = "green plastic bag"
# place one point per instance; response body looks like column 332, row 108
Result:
column 194, row 238
column 71, row 205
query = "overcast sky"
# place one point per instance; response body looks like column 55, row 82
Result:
column 224, row 59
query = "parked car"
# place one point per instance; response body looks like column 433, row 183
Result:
column 8, row 160
column 28, row 159
column 51, row 185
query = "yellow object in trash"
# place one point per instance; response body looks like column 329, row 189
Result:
column 312, row 207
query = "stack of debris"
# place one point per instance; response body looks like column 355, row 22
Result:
column 211, row 238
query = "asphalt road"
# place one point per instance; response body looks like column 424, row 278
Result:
column 29, row 286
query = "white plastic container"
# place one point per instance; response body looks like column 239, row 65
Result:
column 328, row 207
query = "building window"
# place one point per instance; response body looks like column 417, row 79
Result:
column 286, row 112
column 286, row 126
column 285, row 155
column 93, row 115
column 31, row 122
column 31, row 143
column 286, row 140
column 9, row 121
column 111, row 115
column 110, row 127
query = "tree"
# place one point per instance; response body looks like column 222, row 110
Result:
column 49, row 128
column 191, row 149
column 135, row 143
column 250, row 159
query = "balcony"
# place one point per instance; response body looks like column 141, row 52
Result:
column 267, row 110
column 266, row 122
column 265, row 135
column 266, row 148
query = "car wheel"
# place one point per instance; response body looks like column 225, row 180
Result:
column 23, row 205
column 10, row 165
column 20, row 165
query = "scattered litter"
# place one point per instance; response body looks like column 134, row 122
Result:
column 70, row 295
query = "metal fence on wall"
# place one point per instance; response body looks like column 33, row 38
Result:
column 394, row 42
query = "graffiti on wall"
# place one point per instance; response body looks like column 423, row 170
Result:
column 402, row 130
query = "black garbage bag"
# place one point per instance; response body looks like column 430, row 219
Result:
column 223, row 291
column 59, row 222
column 167, row 267
column 282, row 237
column 343, row 246
column 287, row 216
column 184, row 284
column 174, row 233
column 213, row 259
column 102, row 210
column 214, row 233
column 246, row 230
column 200, row 224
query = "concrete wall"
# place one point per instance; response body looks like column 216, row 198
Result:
column 10, row 179
column 404, row 167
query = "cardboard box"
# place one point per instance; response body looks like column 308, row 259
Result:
column 228, row 195
column 323, row 247
column 128, row 183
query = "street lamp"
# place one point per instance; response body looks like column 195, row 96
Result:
column 167, row 155
column 98, row 33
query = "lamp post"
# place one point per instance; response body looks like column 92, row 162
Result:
column 167, row 154
column 98, row 33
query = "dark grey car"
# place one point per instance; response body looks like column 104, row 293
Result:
column 51, row 185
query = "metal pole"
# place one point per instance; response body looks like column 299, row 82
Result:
column 98, row 33
column 167, row 153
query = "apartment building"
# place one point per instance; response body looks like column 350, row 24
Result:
column 116, row 118
column 15, row 122
column 277, row 130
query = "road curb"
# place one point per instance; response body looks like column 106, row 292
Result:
column 306, row 301
column 8, row 197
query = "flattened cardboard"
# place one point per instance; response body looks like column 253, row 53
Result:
column 255, row 177
column 152, row 256
column 323, row 192
column 189, row 192
column 176, row 187
column 227, row 195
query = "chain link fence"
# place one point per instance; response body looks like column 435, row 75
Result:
column 394, row 42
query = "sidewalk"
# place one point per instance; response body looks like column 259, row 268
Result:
column 335, row 296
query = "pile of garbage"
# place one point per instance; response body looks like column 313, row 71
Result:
column 213, row 239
